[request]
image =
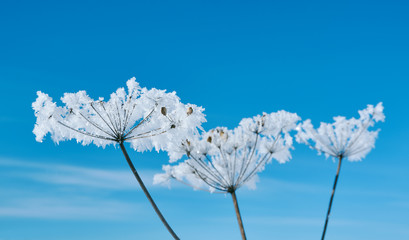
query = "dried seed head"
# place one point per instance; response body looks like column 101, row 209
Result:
column 188, row 143
column 172, row 126
column 163, row 110
column 221, row 133
column 189, row 111
column 263, row 120
column 209, row 139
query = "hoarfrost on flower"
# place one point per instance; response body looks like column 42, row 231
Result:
column 224, row 160
column 346, row 138
column 147, row 118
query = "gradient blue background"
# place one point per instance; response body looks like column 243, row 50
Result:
column 235, row 58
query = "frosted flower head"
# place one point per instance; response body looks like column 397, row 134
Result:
column 145, row 118
column 224, row 160
column 344, row 138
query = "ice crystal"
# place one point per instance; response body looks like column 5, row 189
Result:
column 224, row 160
column 345, row 138
column 145, row 118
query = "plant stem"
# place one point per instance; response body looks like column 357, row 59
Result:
column 236, row 207
column 135, row 173
column 332, row 197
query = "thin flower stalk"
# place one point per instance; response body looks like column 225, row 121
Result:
column 343, row 139
column 224, row 160
column 145, row 118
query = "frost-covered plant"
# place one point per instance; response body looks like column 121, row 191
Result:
column 344, row 138
column 223, row 160
column 146, row 118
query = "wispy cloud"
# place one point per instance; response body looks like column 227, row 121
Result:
column 39, row 190
column 74, row 175
column 279, row 221
column 69, row 208
column 301, row 221
column 292, row 186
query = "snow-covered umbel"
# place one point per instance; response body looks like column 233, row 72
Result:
column 345, row 138
column 147, row 118
column 224, row 160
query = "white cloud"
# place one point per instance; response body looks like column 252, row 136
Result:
column 69, row 208
column 56, row 191
column 74, row 175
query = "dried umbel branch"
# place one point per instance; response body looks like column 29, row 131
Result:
column 145, row 118
column 345, row 138
column 349, row 138
column 139, row 116
column 224, row 160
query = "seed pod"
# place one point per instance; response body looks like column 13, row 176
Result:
column 163, row 110
column 221, row 133
column 188, row 143
column 209, row 139
column 173, row 126
column 189, row 111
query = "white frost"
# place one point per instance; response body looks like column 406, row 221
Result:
column 345, row 138
column 224, row 160
column 147, row 118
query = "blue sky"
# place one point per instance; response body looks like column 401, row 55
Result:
column 236, row 59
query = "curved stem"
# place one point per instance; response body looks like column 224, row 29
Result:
column 239, row 220
column 332, row 197
column 135, row 173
